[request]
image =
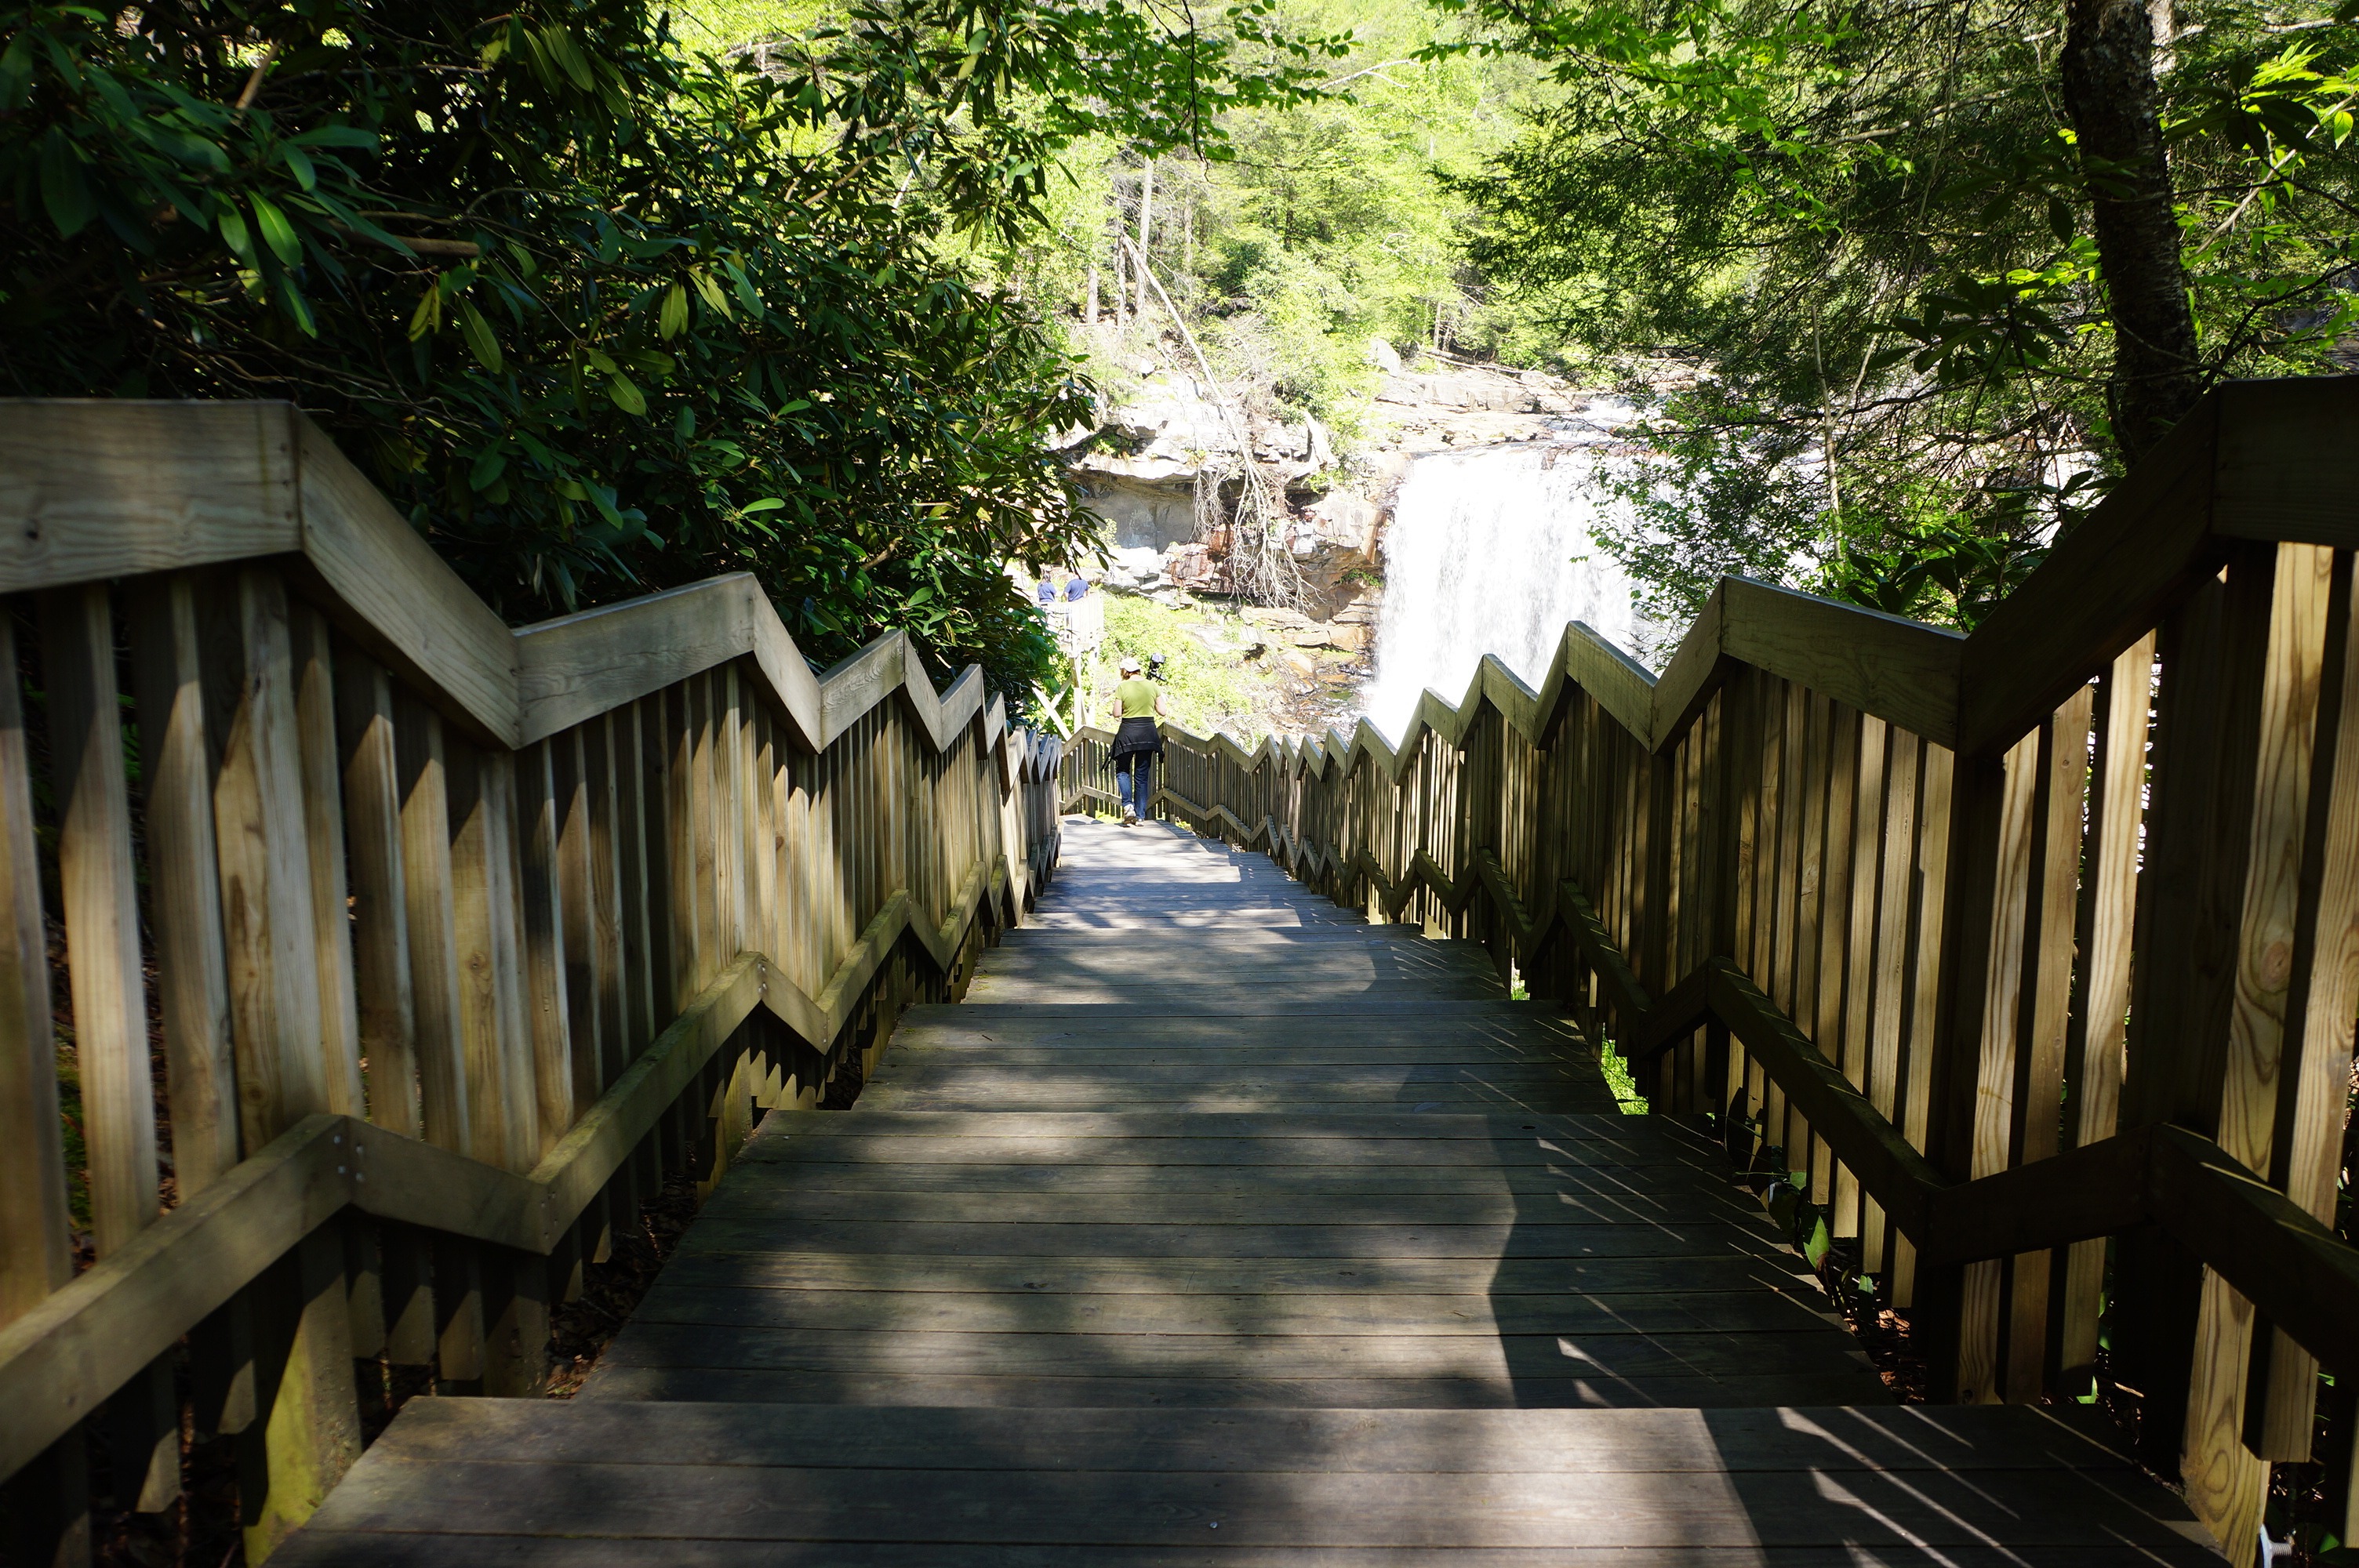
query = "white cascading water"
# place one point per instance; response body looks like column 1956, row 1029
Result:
column 1489, row 552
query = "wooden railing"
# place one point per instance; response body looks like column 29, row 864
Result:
column 2033, row 954
column 434, row 948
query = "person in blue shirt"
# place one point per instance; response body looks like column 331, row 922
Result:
column 1047, row 592
column 1075, row 587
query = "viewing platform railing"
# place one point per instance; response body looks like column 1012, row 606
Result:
column 2032, row 954
column 404, row 955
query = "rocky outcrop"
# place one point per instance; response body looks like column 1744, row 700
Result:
column 1141, row 467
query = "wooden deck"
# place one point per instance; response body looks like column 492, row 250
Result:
column 1217, row 1227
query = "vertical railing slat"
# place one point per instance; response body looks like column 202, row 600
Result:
column 46, row 1505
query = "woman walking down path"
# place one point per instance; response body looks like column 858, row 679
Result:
column 1138, row 742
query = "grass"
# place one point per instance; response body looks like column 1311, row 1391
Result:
column 1618, row 1079
column 1208, row 684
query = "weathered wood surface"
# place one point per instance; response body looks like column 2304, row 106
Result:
column 1233, row 1244
column 1875, row 902
column 708, row 1484
column 459, row 938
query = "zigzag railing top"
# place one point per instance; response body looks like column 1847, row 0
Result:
column 2255, row 460
column 95, row 490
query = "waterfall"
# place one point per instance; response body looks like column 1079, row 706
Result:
column 1489, row 552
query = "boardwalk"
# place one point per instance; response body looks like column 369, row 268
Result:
column 1217, row 1227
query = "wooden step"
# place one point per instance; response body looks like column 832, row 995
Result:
column 1218, row 1228
column 596, row 1484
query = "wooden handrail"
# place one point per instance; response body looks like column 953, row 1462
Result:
column 212, row 483
column 99, row 1331
column 2222, row 477
column 583, row 894
column 1878, row 885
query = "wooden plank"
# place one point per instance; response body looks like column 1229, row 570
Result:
column 2307, row 1152
column 608, row 944
column 94, row 489
column 431, row 918
column 577, row 666
column 1352, row 1154
column 182, row 867
column 2062, row 786
column 638, row 878
column 1897, row 825
column 265, row 874
column 1325, row 1510
column 556, row 1056
column 498, row 1068
column 1934, row 833
column 2101, row 588
column 323, row 840
column 2273, row 479
column 1104, row 1277
column 573, row 889
column 1887, row 1163
column 2227, row 1484
column 1664, row 1185
column 46, row 1499
column 304, row 1432
column 1866, row 820
column 307, row 1433
column 1889, row 1441
column 115, row 1318
column 2101, row 1014
column 1202, row 1210
column 1479, row 1357
column 1826, row 961
column 35, row 1254
column 2298, row 1273
column 401, row 602
column 98, row 883
column 191, row 979
column 386, row 1014
column 2213, row 655
column 1902, row 671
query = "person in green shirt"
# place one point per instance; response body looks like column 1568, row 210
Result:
column 1137, row 742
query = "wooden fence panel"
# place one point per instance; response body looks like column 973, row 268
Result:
column 465, row 941
column 2065, row 907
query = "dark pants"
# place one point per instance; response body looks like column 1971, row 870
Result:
column 1134, row 781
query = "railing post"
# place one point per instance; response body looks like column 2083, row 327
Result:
column 306, row 1432
column 2215, row 653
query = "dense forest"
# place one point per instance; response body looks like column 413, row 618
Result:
column 611, row 296
column 1944, row 268
column 1929, row 276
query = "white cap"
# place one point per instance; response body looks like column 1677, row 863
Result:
column 1130, row 667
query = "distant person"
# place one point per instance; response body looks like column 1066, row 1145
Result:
column 1075, row 587
column 1047, row 592
column 1138, row 742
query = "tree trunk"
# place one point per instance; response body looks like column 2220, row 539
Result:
column 2109, row 91
column 1089, row 306
column 1145, row 225
column 1120, row 276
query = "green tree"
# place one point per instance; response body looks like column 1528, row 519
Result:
column 601, row 312
column 1919, row 284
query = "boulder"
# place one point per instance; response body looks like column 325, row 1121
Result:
column 1330, row 635
column 1346, row 518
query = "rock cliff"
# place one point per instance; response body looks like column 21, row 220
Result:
column 1164, row 443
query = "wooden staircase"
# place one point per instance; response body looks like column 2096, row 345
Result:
column 1216, row 1225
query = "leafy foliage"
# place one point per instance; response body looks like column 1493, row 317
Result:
column 601, row 314
column 1312, row 225
column 1869, row 224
